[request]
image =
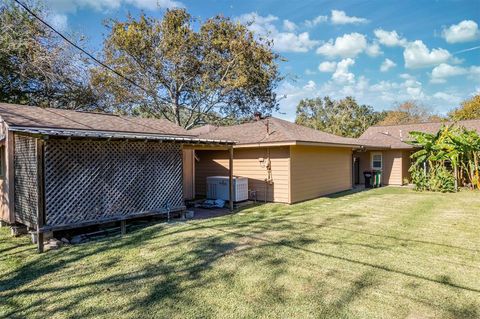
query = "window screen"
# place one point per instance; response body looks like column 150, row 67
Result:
column 377, row 161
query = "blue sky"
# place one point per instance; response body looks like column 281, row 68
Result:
column 380, row 52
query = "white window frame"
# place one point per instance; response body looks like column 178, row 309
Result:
column 373, row 154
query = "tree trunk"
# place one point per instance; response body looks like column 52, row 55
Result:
column 455, row 171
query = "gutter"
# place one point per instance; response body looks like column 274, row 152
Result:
column 69, row 133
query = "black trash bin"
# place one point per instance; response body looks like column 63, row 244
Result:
column 368, row 176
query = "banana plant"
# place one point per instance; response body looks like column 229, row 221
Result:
column 451, row 144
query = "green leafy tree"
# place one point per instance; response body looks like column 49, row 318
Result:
column 409, row 112
column 343, row 117
column 446, row 158
column 469, row 110
column 38, row 68
column 188, row 73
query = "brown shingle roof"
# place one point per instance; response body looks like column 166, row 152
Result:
column 272, row 130
column 33, row 116
column 396, row 135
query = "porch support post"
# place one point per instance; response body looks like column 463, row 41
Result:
column 40, row 193
column 123, row 227
column 230, row 178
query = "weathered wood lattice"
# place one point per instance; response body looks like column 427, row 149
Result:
column 25, row 180
column 94, row 181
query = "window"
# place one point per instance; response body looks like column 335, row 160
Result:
column 377, row 160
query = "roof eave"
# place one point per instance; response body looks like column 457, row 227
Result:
column 68, row 133
column 296, row 142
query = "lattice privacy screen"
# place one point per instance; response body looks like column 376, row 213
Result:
column 97, row 180
column 25, row 180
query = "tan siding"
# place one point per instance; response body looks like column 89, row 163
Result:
column 318, row 171
column 392, row 167
column 188, row 174
column 246, row 163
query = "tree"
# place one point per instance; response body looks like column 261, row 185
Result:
column 343, row 117
column 187, row 74
column 469, row 110
column 445, row 158
column 409, row 112
column 38, row 68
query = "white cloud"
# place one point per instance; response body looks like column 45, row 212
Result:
column 291, row 42
column 405, row 76
column 310, row 72
column 340, row 17
column 391, row 91
column 384, row 86
column 417, row 55
column 346, row 46
column 311, row 85
column 327, row 66
column 289, row 25
column 390, row 38
column 316, row 21
column 387, row 64
column 465, row 31
column 282, row 41
column 342, row 74
column 373, row 50
column 349, row 46
column 443, row 71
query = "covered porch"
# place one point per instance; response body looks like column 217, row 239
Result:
column 191, row 185
column 393, row 163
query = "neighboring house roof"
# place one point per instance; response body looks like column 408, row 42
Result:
column 395, row 136
column 59, row 122
column 272, row 130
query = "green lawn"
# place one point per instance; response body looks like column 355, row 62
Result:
column 385, row 253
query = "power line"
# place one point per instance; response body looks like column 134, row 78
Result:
column 78, row 47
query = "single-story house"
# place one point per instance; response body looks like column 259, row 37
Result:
column 284, row 162
column 385, row 148
column 65, row 169
column 62, row 169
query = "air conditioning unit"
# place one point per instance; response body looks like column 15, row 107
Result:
column 218, row 188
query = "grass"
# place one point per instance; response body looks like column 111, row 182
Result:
column 384, row 253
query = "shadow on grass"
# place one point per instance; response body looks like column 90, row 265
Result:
column 349, row 260
column 171, row 280
column 167, row 281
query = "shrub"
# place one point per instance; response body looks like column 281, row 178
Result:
column 437, row 179
column 441, row 180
